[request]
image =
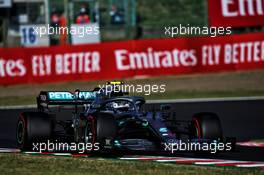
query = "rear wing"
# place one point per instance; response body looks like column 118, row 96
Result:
column 47, row 98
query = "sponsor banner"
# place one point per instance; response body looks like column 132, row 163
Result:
column 114, row 60
column 236, row 13
column 67, row 96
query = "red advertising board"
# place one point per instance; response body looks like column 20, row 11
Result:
column 236, row 13
column 114, row 60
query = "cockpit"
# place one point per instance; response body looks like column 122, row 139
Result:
column 120, row 106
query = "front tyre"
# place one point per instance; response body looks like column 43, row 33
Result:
column 100, row 131
column 207, row 126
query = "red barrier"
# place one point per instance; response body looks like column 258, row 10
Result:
column 236, row 13
column 115, row 60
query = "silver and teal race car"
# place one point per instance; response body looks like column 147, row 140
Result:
column 108, row 123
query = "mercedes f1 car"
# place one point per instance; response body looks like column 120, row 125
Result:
column 114, row 121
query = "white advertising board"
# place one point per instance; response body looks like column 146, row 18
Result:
column 85, row 33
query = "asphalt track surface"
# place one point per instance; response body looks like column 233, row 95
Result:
column 242, row 119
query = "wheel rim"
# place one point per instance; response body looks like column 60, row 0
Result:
column 89, row 132
column 20, row 132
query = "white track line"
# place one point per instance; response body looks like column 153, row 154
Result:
column 206, row 99
column 18, row 107
column 30, row 152
column 251, row 165
column 62, row 154
column 183, row 159
column 220, row 162
column 198, row 161
column 251, row 144
column 143, row 158
column 9, row 150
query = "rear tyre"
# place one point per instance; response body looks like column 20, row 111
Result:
column 207, row 126
column 33, row 127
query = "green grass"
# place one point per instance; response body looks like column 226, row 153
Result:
column 28, row 100
column 258, row 140
column 12, row 100
column 18, row 164
column 230, row 84
column 204, row 94
column 180, row 94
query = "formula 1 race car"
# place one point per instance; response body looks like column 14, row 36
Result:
column 109, row 121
